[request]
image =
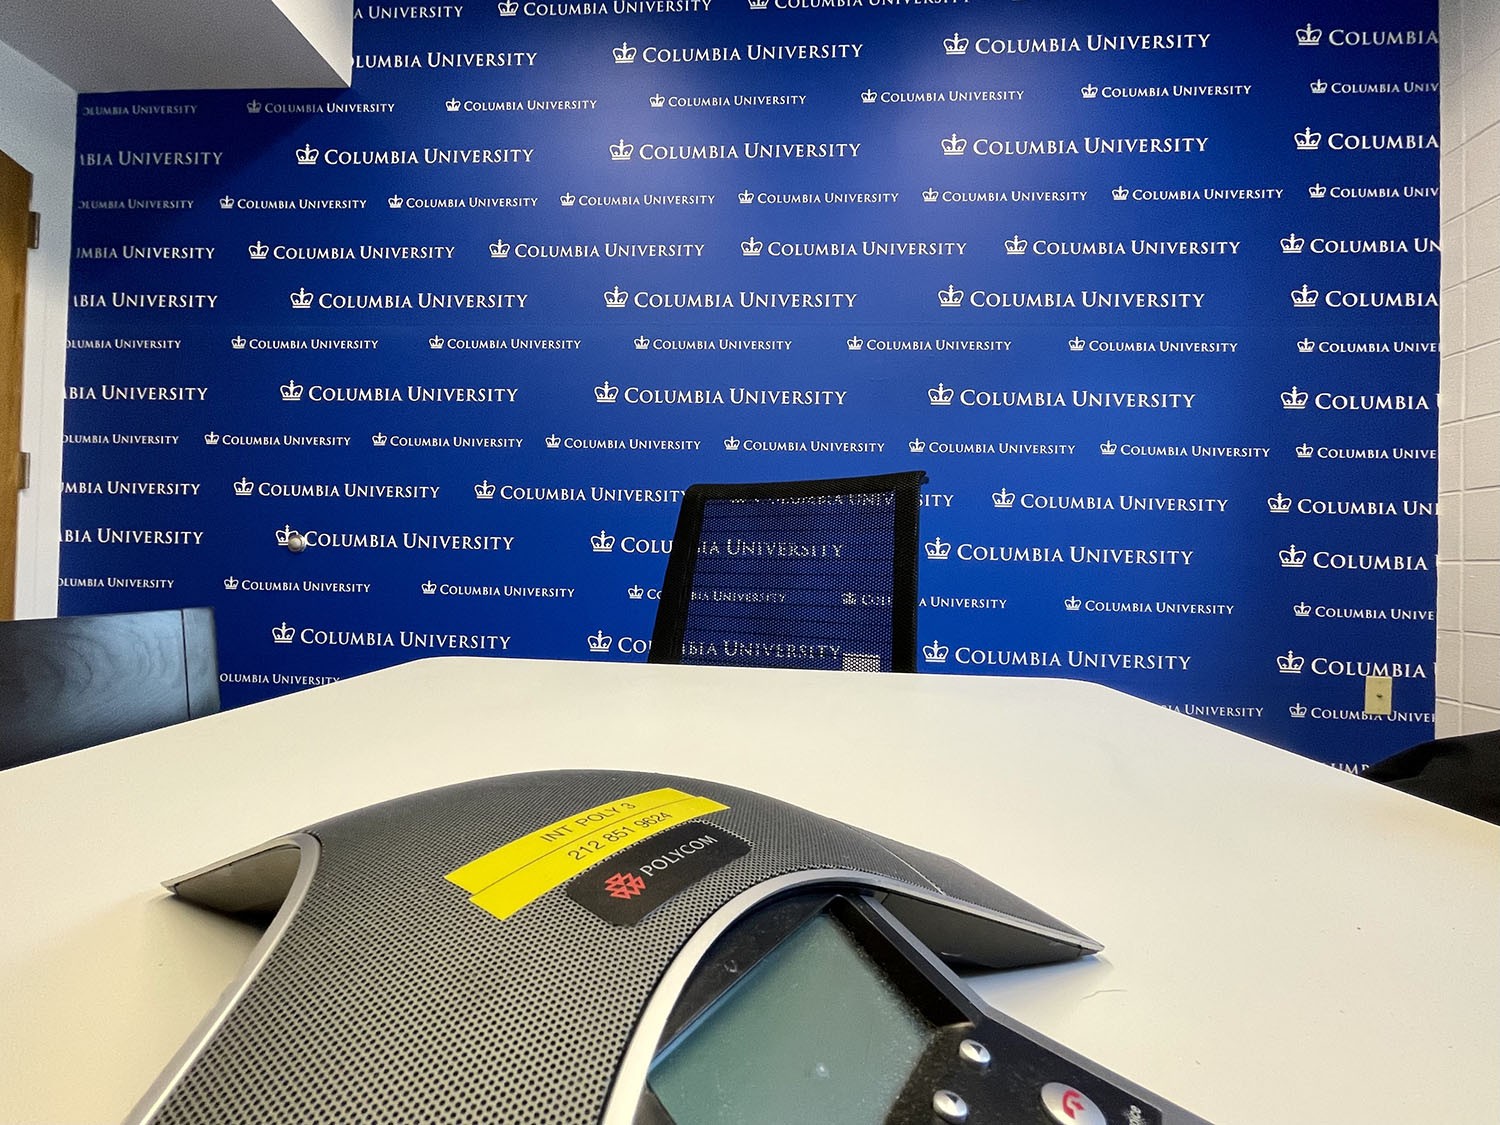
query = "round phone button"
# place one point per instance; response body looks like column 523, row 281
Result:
column 1069, row 1106
column 975, row 1053
column 950, row 1107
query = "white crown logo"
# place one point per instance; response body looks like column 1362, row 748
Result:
column 1297, row 711
column 603, row 543
column 507, row 7
column 1016, row 245
column 238, row 343
column 1306, row 345
column 484, row 490
column 615, row 298
column 435, row 342
column 429, row 587
column 951, row 297
column 258, row 251
column 752, row 247
column 1304, row 451
column 1291, row 663
column 954, row 145
column 291, row 391
column 599, row 642
column 499, row 248
column 378, row 440
column 1294, row 399
column 657, row 101
column 624, row 53
column 1279, row 504
column 1293, row 557
column 301, row 299
column 642, row 343
column 453, row 105
column 938, row 548
column 1309, row 36
column 849, row 598
column 956, row 45
column 759, row 5
column 285, row 535
column 1304, row 298
column 567, row 199
column 1108, row 448
column 935, row 653
column 553, row 441
column 747, row 196
column 1316, row 191
column 1302, row 609
column 916, row 445
column 231, row 583
column 1005, row 498
column 1077, row 344
column 1090, row 91
column 1307, row 140
column 1318, row 86
column 227, row 203
column 1120, row 193
column 1073, row 604
column 606, row 392
column 1293, row 244
column 940, row 395
column 930, row 195
column 731, row 444
column 854, row 344
column 307, row 155
column 244, row 487
column 282, row 634
column 621, row 150
column 395, row 203
column 210, row 438
column 636, row 592
column 252, row 106
column 868, row 97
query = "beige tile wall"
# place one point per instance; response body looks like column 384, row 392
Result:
column 1468, row 648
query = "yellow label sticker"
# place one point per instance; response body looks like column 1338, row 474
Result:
column 518, row 873
column 489, row 868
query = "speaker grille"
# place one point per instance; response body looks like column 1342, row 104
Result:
column 392, row 998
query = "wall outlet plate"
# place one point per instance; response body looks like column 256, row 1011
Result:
column 1377, row 695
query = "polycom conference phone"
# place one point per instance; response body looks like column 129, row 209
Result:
column 624, row 949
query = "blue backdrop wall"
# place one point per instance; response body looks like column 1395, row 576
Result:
column 1150, row 292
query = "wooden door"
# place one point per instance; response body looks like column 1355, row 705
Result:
column 15, row 236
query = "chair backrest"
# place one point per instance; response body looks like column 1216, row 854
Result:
column 1461, row 772
column 794, row 574
column 71, row 682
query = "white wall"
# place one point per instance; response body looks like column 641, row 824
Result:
column 1468, row 668
column 329, row 26
column 37, row 115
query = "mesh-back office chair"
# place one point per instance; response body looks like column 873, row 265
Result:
column 794, row 574
column 71, row 682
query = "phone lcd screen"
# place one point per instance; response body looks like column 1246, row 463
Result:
column 815, row 1031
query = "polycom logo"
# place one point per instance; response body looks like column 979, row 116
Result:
column 624, row 885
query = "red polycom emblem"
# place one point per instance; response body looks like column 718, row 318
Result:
column 622, row 885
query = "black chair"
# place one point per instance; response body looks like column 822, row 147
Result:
column 1462, row 773
column 794, row 574
column 71, row 682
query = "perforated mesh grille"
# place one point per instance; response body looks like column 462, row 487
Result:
column 391, row 998
column 805, row 574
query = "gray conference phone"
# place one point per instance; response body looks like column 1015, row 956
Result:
column 626, row 949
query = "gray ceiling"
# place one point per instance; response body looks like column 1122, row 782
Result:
column 114, row 45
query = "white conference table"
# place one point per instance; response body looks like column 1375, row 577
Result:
column 1283, row 942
